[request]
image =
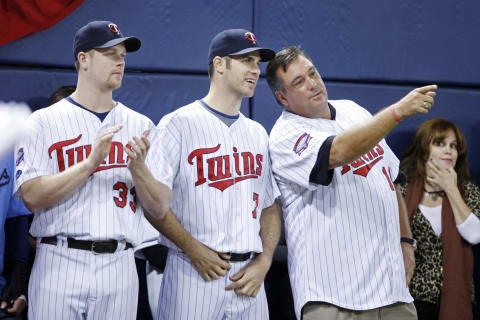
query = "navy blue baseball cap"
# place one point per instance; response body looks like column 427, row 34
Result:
column 233, row 42
column 102, row 34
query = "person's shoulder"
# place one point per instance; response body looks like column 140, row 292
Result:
column 188, row 111
column 61, row 104
column 278, row 126
column 289, row 126
column 134, row 117
column 257, row 126
column 62, row 108
column 349, row 109
column 57, row 108
column 345, row 104
column 131, row 113
column 288, row 119
column 182, row 114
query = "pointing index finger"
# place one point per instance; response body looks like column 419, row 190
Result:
column 428, row 88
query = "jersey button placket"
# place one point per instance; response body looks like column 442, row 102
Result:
column 229, row 218
column 233, row 214
column 394, row 247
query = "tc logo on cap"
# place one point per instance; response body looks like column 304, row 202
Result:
column 114, row 28
column 250, row 37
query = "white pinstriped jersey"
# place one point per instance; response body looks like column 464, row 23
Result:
column 343, row 238
column 105, row 206
column 221, row 177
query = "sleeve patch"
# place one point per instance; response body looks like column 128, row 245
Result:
column 302, row 143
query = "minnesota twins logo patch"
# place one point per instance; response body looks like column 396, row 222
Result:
column 302, row 143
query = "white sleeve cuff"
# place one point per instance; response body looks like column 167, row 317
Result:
column 470, row 229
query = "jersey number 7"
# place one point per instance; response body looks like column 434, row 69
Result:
column 254, row 212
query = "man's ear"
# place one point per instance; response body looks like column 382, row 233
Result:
column 219, row 64
column 82, row 59
column 281, row 98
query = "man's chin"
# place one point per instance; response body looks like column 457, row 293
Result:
column 249, row 93
column 319, row 104
column 115, row 86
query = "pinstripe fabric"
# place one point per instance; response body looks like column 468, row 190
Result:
column 344, row 238
column 184, row 295
column 77, row 284
column 69, row 283
column 92, row 211
column 222, row 181
column 154, row 282
column 221, row 219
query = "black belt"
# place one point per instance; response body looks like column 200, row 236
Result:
column 103, row 246
column 240, row 257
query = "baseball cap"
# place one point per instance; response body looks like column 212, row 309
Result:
column 102, row 34
column 234, row 42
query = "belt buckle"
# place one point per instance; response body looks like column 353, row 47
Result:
column 120, row 242
column 224, row 259
column 93, row 248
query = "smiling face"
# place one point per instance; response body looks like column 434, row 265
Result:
column 105, row 67
column 303, row 91
column 241, row 73
column 443, row 149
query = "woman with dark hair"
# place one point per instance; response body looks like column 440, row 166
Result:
column 444, row 210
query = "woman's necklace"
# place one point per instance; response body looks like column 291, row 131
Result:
column 434, row 194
